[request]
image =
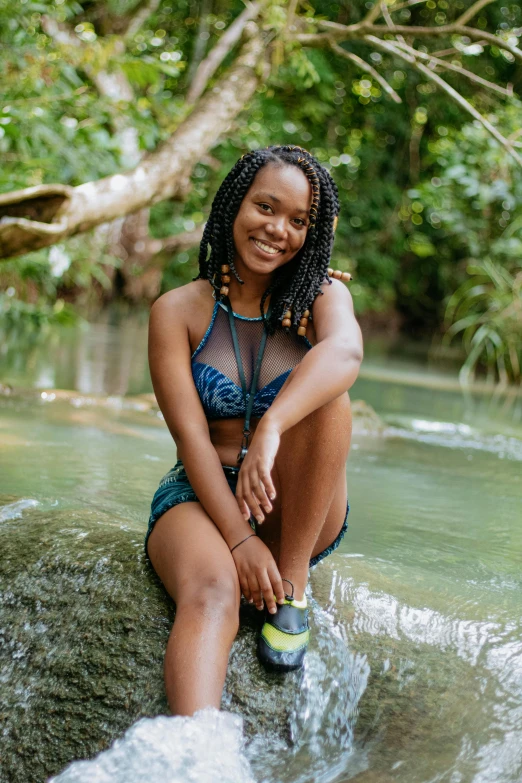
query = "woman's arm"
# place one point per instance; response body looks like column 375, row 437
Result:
column 171, row 373
column 328, row 370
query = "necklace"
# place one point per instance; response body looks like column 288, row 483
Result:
column 248, row 396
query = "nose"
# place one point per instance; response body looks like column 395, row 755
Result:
column 276, row 227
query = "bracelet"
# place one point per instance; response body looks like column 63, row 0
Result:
column 243, row 541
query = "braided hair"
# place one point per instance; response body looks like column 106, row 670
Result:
column 296, row 284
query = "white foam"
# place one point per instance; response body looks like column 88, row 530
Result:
column 203, row 749
column 15, row 510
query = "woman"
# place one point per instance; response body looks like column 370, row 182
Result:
column 232, row 376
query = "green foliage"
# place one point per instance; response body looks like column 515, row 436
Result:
column 473, row 200
column 423, row 192
column 469, row 212
column 486, row 311
column 55, row 126
column 17, row 315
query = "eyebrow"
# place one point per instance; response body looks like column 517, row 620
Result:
column 278, row 201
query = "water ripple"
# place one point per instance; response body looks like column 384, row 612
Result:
column 16, row 510
column 455, row 436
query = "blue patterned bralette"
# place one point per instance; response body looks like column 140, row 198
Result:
column 220, row 395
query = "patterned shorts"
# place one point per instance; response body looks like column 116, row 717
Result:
column 175, row 488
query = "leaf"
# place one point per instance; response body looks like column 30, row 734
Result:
column 421, row 245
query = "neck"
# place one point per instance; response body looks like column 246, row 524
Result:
column 246, row 294
column 249, row 294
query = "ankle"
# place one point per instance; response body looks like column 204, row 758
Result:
column 298, row 583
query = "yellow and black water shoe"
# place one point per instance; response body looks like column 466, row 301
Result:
column 284, row 636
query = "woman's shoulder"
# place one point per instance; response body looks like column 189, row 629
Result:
column 182, row 302
column 333, row 314
column 334, row 294
column 185, row 312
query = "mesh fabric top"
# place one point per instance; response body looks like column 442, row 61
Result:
column 214, row 365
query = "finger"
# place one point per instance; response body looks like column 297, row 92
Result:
column 268, row 593
column 240, row 497
column 268, row 484
column 261, row 495
column 243, row 508
column 253, row 504
column 255, row 591
column 277, row 583
column 245, row 589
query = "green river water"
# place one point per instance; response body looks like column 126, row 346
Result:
column 415, row 671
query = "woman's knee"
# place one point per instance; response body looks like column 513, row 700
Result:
column 214, row 594
column 325, row 433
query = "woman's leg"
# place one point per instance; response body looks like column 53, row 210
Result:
column 310, row 479
column 192, row 560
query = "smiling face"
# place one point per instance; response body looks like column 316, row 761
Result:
column 273, row 219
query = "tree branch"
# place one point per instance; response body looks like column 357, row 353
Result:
column 139, row 18
column 200, row 43
column 474, row 9
column 359, row 30
column 392, row 48
column 398, row 47
column 372, row 14
column 431, row 58
column 62, row 35
column 160, row 175
column 113, row 85
column 176, row 242
column 290, row 14
column 377, row 10
column 386, row 14
column 364, row 66
column 408, row 3
column 215, row 57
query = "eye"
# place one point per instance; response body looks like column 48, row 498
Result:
column 264, row 205
column 301, row 221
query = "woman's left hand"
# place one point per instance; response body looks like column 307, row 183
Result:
column 255, row 489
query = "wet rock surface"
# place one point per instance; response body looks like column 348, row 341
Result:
column 84, row 625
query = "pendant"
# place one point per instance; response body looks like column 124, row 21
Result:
column 244, row 446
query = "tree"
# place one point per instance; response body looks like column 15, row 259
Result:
column 263, row 37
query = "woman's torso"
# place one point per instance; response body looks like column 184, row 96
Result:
column 214, row 365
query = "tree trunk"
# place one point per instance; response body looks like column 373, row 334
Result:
column 41, row 216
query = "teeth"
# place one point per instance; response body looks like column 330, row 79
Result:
column 266, row 248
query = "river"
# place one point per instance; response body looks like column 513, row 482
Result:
column 415, row 668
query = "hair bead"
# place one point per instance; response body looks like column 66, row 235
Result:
column 301, row 331
column 287, row 323
column 224, row 290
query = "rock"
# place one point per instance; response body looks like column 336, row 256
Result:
column 365, row 421
column 84, row 627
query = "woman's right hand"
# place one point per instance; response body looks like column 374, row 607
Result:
column 258, row 574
